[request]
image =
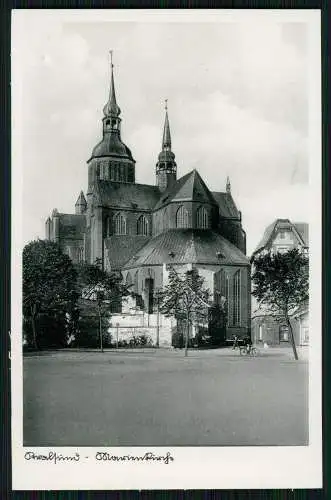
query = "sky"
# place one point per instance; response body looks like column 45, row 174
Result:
column 238, row 90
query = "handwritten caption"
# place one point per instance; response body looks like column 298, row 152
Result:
column 100, row 456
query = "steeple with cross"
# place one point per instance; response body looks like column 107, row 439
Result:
column 111, row 111
column 166, row 168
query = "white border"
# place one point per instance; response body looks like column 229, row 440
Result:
column 196, row 467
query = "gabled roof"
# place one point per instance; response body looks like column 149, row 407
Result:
column 190, row 187
column 121, row 195
column 301, row 228
column 185, row 246
column 226, row 205
column 119, row 249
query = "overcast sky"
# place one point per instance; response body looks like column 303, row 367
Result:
column 237, row 93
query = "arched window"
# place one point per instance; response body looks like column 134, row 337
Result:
column 136, row 282
column 202, row 218
column 119, row 224
column 236, row 297
column 222, row 286
column 182, row 217
column 142, row 226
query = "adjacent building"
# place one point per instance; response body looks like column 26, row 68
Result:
column 280, row 236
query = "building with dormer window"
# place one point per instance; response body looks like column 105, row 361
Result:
column 281, row 236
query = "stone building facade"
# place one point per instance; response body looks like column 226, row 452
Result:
column 142, row 229
column 280, row 236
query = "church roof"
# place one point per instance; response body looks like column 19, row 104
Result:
column 184, row 246
column 111, row 145
column 301, row 227
column 122, row 195
column 226, row 205
column 190, row 187
column 121, row 248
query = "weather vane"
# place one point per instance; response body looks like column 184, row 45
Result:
column 166, row 104
column 111, row 57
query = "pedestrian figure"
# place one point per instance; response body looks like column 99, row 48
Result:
column 235, row 342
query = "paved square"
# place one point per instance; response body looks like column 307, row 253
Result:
column 161, row 398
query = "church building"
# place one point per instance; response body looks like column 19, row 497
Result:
column 142, row 229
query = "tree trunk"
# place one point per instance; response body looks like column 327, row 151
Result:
column 291, row 336
column 33, row 323
column 187, row 334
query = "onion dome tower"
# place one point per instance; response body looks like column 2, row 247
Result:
column 166, row 168
column 111, row 159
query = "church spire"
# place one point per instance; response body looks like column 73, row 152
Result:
column 228, row 185
column 166, row 168
column 166, row 142
column 111, row 108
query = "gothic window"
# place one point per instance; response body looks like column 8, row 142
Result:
column 236, row 298
column 136, row 282
column 222, row 285
column 202, row 218
column 182, row 217
column 142, row 226
column 119, row 224
column 80, row 254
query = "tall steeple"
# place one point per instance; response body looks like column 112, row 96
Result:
column 111, row 110
column 166, row 142
column 111, row 159
column 166, row 168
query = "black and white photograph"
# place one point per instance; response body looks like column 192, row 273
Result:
column 166, row 229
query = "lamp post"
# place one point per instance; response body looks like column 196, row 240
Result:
column 157, row 295
column 100, row 298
